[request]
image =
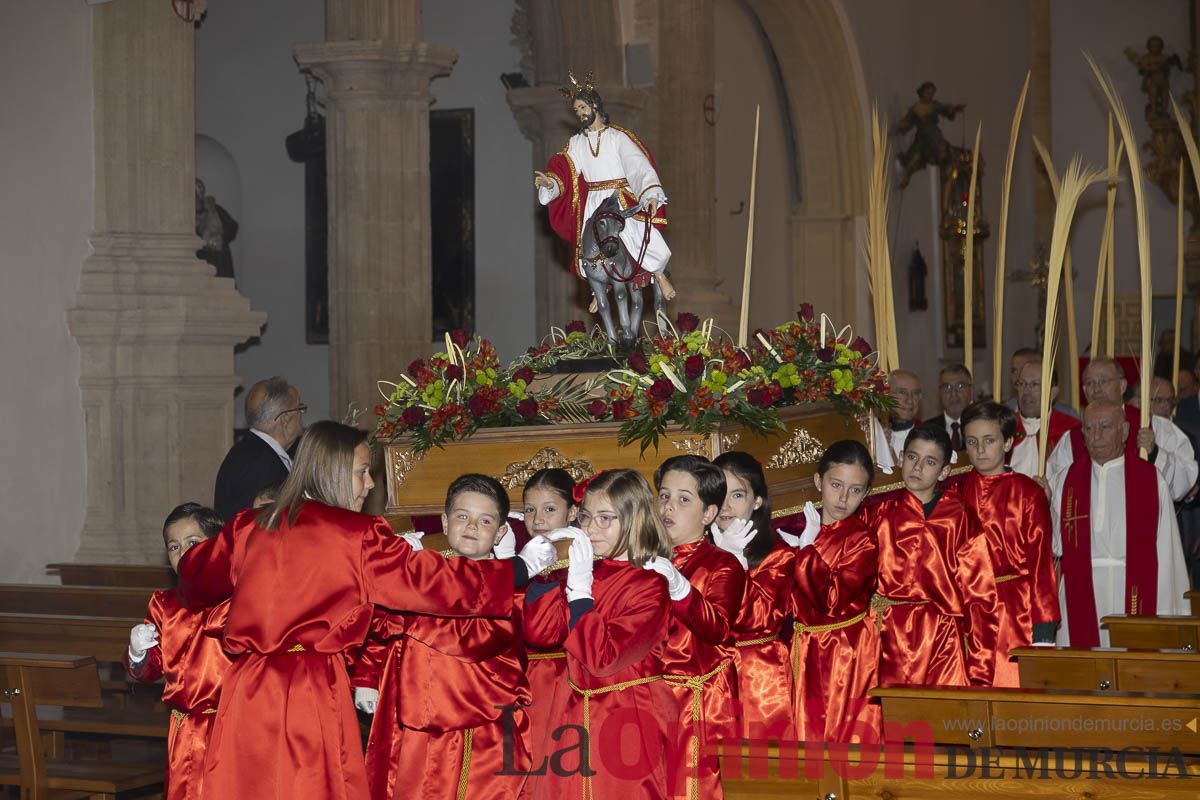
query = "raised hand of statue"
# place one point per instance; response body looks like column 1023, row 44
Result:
column 542, row 181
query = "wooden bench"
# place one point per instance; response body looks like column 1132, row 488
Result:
column 1194, row 597
column 990, row 717
column 1109, row 669
column 29, row 680
column 81, row 601
column 144, row 575
column 103, row 638
column 1153, row 633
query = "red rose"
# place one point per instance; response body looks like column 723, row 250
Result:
column 454, row 372
column 413, row 416
column 414, row 369
column 575, row 326
column 620, row 409
column 638, row 363
column 759, row 398
column 806, row 312
column 693, row 367
column 478, row 404
column 460, row 337
column 860, row 346
column 597, row 408
column 686, row 322
column 660, row 390
column 825, row 354
column 528, row 408
column 523, row 374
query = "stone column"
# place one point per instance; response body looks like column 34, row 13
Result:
column 545, row 118
column 156, row 329
column 376, row 75
column 686, row 156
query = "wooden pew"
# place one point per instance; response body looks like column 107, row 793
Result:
column 1109, row 669
column 29, row 680
column 1194, row 597
column 1153, row 633
column 143, row 575
column 80, row 601
column 988, row 717
column 103, row 638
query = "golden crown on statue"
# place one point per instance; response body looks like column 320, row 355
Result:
column 576, row 87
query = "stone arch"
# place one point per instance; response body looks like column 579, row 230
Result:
column 826, row 95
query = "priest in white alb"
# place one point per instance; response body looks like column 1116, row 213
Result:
column 1115, row 531
column 1028, row 383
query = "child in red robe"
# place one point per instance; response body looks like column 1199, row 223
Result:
column 835, row 647
column 706, row 585
column 449, row 689
column 178, row 645
column 611, row 617
column 936, row 589
column 304, row 575
column 760, row 653
column 1014, row 515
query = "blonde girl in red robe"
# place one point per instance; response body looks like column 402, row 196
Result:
column 760, row 654
column 611, row 617
column 835, row 645
column 304, row 575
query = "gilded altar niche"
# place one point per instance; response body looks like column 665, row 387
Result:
column 956, row 182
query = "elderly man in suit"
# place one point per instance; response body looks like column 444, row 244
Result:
column 260, row 460
column 956, row 391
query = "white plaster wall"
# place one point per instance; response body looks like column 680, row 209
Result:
column 45, row 218
column 505, row 206
column 249, row 97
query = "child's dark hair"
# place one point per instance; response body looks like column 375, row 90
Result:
column 848, row 451
column 747, row 468
column 710, row 480
column 210, row 524
column 927, row 432
column 553, row 480
column 480, row 484
column 991, row 412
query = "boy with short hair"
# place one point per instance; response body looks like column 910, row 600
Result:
column 462, row 680
column 706, row 585
column 936, row 590
column 184, row 647
column 1014, row 516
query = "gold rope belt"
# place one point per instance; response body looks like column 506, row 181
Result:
column 615, row 183
column 544, row 656
column 178, row 717
column 753, row 642
column 468, row 738
column 1007, row 578
column 296, row 648
column 588, row 694
column 696, row 684
column 800, row 627
column 881, row 603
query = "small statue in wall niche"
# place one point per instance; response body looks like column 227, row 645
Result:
column 918, row 271
column 1154, row 66
column 928, row 146
column 216, row 228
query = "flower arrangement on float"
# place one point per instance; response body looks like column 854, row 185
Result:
column 686, row 373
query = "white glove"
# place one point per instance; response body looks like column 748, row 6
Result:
column 569, row 532
column 735, row 538
column 812, row 525
column 141, row 638
column 677, row 585
column 507, row 546
column 365, row 699
column 789, row 539
column 579, row 570
column 414, row 539
column 538, row 553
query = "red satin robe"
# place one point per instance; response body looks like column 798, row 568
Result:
column 190, row 658
column 301, row 595
column 935, row 570
column 1014, row 515
column 614, row 653
column 764, row 677
column 698, row 649
column 444, row 688
column 547, row 675
column 835, row 646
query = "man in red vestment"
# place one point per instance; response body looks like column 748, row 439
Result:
column 1013, row 514
column 1024, row 456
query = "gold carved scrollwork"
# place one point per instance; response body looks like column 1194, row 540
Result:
column 802, row 448
column 729, row 441
column 692, row 445
column 519, row 472
column 402, row 463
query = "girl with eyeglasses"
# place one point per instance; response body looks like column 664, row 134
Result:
column 610, row 616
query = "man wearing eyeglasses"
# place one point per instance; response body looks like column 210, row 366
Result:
column 905, row 386
column 1028, row 384
column 1167, row 447
column 956, row 391
column 260, row 459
